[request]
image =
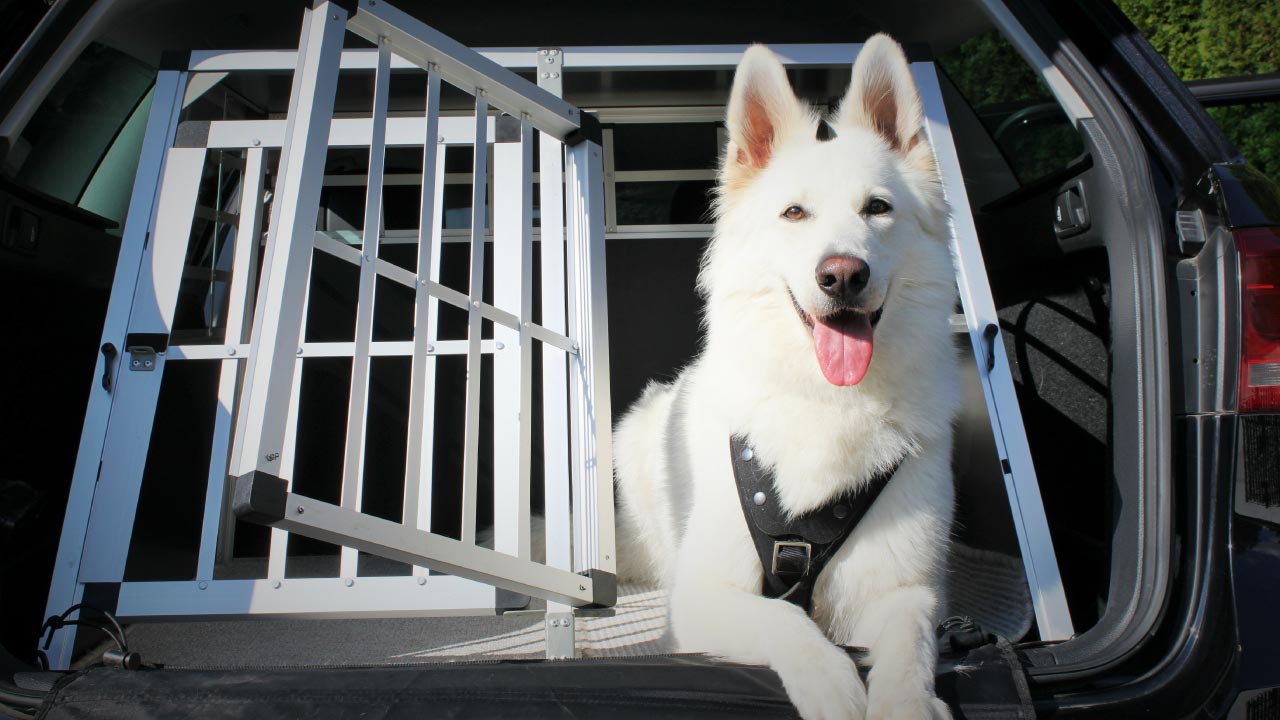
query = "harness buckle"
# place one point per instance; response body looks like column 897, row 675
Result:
column 780, row 545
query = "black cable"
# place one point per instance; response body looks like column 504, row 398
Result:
column 57, row 622
column 105, row 613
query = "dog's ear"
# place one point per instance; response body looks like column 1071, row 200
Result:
column 882, row 95
column 763, row 110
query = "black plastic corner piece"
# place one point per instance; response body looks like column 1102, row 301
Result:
column 192, row 134
column 589, row 130
column 101, row 596
column 348, row 5
column 259, row 498
column 506, row 129
column 507, row 600
column 604, row 588
column 175, row 60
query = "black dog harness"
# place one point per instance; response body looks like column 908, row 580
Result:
column 794, row 552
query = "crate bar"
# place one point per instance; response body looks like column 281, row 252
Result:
column 422, row 380
column 64, row 590
column 471, row 439
column 357, row 405
column 242, row 279
column 579, row 58
column 1053, row 618
column 307, row 598
column 278, row 547
column 115, row 498
column 555, row 388
column 377, row 348
column 513, row 361
column 330, row 523
column 461, row 66
column 278, row 320
column 344, row 132
column 592, row 458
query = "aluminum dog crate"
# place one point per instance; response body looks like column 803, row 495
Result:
column 262, row 348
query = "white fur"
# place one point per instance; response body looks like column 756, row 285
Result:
column 758, row 375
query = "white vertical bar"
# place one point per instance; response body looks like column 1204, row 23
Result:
column 592, row 458
column 64, row 591
column 512, row 362
column 357, row 407
column 278, row 550
column 611, row 193
column 277, row 320
column 555, row 388
column 246, row 248
column 124, row 456
column 1053, row 618
column 422, row 383
column 471, row 442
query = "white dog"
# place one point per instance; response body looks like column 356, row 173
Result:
column 824, row 250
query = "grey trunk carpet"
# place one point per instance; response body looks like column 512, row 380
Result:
column 986, row 585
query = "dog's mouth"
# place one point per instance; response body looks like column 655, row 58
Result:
column 842, row 340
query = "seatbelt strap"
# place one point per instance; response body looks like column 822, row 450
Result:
column 794, row 551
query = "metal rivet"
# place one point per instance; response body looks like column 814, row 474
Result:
column 422, row 580
column 231, row 350
column 272, row 457
column 555, row 75
column 275, row 584
column 548, row 59
column 499, row 345
column 758, row 498
column 546, row 76
column 256, row 142
column 136, row 363
column 204, row 585
column 841, row 511
column 299, row 349
column 440, row 139
column 148, row 363
column 300, row 509
column 431, row 348
column 580, row 587
column 349, row 582
column 747, row 453
column 542, row 52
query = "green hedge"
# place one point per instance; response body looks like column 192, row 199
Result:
column 1220, row 38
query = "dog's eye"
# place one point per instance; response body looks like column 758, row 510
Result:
column 795, row 212
column 877, row 206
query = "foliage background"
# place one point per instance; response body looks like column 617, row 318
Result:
column 1221, row 38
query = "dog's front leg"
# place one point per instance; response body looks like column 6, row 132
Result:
column 712, row 611
column 903, row 656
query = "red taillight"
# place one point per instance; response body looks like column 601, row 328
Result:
column 1259, row 251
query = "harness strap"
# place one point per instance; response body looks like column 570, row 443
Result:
column 793, row 551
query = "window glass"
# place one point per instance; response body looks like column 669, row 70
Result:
column 1014, row 105
column 97, row 105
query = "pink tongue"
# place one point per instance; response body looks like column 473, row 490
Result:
column 843, row 345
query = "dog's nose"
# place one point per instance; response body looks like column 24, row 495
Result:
column 842, row 277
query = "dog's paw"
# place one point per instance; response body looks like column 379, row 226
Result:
column 906, row 706
column 825, row 687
